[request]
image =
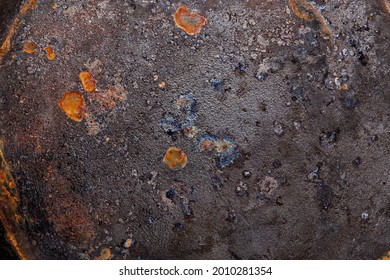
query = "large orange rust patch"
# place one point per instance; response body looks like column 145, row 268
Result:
column 191, row 22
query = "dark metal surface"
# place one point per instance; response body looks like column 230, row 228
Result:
column 6, row 251
column 296, row 112
column 8, row 9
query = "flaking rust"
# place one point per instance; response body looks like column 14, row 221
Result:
column 88, row 81
column 50, row 54
column 30, row 47
column 73, row 104
column 191, row 22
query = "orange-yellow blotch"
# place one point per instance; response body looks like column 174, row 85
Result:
column 3, row 176
column 73, row 105
column 387, row 257
column 175, row 158
column 89, row 82
column 50, row 54
column 191, row 22
column 105, row 254
column 30, row 47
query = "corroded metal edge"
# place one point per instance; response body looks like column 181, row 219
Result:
column 13, row 222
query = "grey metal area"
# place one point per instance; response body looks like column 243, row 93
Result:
column 286, row 130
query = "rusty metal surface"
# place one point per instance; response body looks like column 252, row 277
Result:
column 281, row 107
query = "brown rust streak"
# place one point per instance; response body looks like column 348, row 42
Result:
column 11, row 238
column 9, row 199
column 311, row 14
column 6, row 45
column 297, row 12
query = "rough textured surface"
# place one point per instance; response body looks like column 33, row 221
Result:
column 297, row 123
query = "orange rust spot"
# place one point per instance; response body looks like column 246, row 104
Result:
column 30, row 47
column 89, row 83
column 161, row 85
column 128, row 243
column 175, row 158
column 73, row 105
column 191, row 22
column 105, row 254
column 344, row 87
column 50, row 54
column 54, row 5
column 387, row 257
column 206, row 145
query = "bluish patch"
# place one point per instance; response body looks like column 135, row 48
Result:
column 170, row 125
column 187, row 124
column 217, row 84
column 171, row 193
column 187, row 104
column 226, row 158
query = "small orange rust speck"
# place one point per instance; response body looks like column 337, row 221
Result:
column 191, row 22
column 73, row 105
column 175, row 158
column 50, row 54
column 30, row 47
column 105, row 254
column 206, row 145
column 89, row 82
